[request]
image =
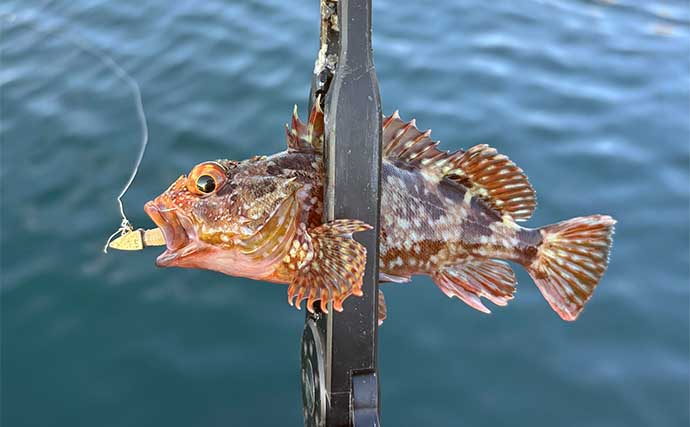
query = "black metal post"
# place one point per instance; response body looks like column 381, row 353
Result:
column 339, row 357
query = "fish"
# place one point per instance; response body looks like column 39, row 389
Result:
column 452, row 216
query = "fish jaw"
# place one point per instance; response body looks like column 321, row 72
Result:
column 185, row 249
column 230, row 262
column 178, row 230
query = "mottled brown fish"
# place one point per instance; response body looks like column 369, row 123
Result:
column 452, row 216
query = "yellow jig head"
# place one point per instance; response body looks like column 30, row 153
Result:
column 136, row 240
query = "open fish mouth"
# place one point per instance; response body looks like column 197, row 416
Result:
column 177, row 230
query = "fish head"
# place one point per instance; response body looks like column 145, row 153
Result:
column 188, row 212
column 225, row 216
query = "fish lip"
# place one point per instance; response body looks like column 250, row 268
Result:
column 176, row 229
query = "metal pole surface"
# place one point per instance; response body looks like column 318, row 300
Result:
column 344, row 344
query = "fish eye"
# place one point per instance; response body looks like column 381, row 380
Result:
column 206, row 184
column 206, row 178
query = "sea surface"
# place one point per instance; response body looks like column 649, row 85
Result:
column 590, row 98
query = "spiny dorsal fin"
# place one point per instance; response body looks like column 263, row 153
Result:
column 487, row 174
column 404, row 142
column 306, row 136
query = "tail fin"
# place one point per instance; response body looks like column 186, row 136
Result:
column 572, row 258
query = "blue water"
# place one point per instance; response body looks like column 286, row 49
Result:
column 591, row 99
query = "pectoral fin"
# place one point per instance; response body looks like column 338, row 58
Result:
column 333, row 267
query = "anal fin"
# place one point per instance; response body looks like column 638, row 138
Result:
column 490, row 279
column 333, row 267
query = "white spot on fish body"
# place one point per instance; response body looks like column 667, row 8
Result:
column 390, row 241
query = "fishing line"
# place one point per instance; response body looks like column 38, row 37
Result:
column 122, row 75
column 125, row 225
